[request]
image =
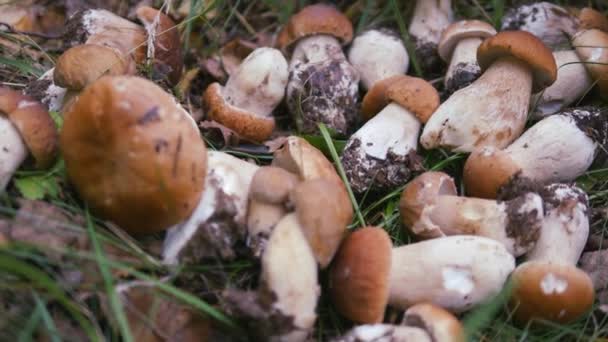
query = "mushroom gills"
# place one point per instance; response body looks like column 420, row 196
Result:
column 463, row 68
column 12, row 151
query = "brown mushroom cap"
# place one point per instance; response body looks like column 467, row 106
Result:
column 525, row 47
column 554, row 292
column 461, row 30
column 439, row 323
column 412, row 93
column 421, row 192
column 79, row 66
column 248, row 125
column 316, row 19
column 34, row 123
column 359, row 275
column 167, row 45
column 486, row 170
column 133, row 154
column 272, row 185
column 592, row 19
column 591, row 48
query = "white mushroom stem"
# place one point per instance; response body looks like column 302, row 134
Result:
column 491, row 111
column 258, row 85
column 455, row 272
column 464, row 58
column 572, row 82
column 12, row 151
column 430, row 18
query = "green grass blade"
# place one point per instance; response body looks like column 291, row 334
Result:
column 22, row 66
column 409, row 46
column 31, row 326
column 47, row 319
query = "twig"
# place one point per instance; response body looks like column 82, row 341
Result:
column 10, row 29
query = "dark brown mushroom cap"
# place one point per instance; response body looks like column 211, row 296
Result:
column 412, row 93
column 34, row 123
column 525, row 47
column 133, row 154
column 248, row 125
column 316, row 19
column 359, row 275
column 167, row 45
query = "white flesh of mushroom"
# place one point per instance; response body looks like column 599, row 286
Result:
column 491, row 111
column 53, row 95
column 12, row 151
column 430, row 18
column 464, row 58
column 454, row 272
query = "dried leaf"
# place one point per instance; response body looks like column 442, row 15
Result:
column 275, row 143
column 214, row 68
column 212, row 128
column 234, row 52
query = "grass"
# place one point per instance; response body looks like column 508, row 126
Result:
column 32, row 286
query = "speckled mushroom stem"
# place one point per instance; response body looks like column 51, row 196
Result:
column 430, row 18
column 12, row 151
column 463, row 67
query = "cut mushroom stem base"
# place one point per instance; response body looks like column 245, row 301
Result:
column 463, row 68
column 12, row 151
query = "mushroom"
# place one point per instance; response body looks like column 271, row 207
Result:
column 589, row 19
column 551, row 23
column 430, row 18
column 323, row 86
column 246, row 102
column 548, row 285
column 591, row 48
column 384, row 332
column 454, row 272
column 25, row 127
column 430, row 207
column 492, row 111
column 133, row 154
column 558, row 148
column 218, row 221
column 381, row 155
column 46, row 91
column 378, row 54
column 458, row 47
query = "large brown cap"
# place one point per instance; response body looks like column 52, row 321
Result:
column 486, row 170
column 412, row 93
column 167, row 45
column 316, row 19
column 34, row 123
column 248, row 125
column 359, row 275
column 547, row 291
column 592, row 19
column 133, row 154
column 439, row 323
column 324, row 211
column 422, row 191
column 272, row 185
column 592, row 48
column 79, row 66
column 525, row 47
column 461, row 30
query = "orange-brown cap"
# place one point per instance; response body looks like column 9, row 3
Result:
column 316, row 19
column 439, row 323
column 133, row 154
column 248, row 125
column 167, row 46
column 79, row 66
column 592, row 48
column 359, row 275
column 272, row 185
column 525, row 47
column 412, row 93
column 592, row 19
column 34, row 123
column 486, row 170
column 461, row 30
column 548, row 291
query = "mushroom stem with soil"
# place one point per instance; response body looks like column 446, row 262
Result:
column 429, row 20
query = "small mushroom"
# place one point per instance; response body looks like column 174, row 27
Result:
column 515, row 223
column 440, row 324
column 26, row 128
column 551, row 23
column 430, row 18
column 384, row 332
column 591, row 48
column 218, row 221
column 455, row 272
column 458, row 47
column 381, row 155
column 378, row 54
column 323, row 86
column 558, row 148
column 492, row 111
column 246, row 102
column 133, row 154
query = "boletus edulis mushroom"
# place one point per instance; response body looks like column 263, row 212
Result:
column 429, row 20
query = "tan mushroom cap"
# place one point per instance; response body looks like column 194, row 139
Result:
column 555, row 292
column 79, row 66
column 421, row 192
column 167, row 45
column 313, row 20
column 412, row 93
column 248, row 125
column 133, row 154
column 272, row 185
column 486, row 170
column 589, row 18
column 439, row 323
column 461, row 30
column 34, row 123
column 592, row 48
column 359, row 275
column 525, row 47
